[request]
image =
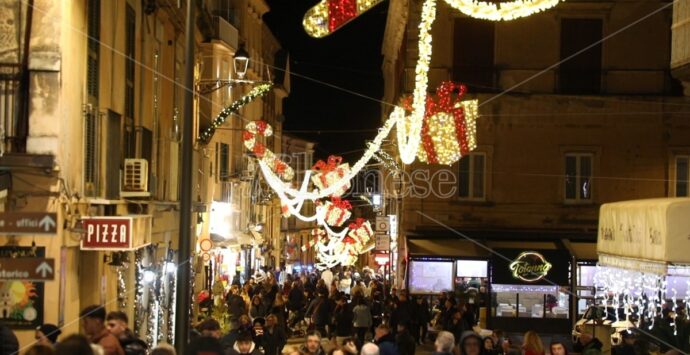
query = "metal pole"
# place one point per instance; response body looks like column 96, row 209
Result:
column 183, row 302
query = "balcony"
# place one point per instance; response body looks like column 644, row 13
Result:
column 226, row 32
column 14, row 121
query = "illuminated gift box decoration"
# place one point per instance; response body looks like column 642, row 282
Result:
column 329, row 172
column 337, row 211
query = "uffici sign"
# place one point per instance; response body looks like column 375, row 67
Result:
column 530, row 266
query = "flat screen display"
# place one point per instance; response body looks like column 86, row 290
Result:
column 471, row 268
column 430, row 276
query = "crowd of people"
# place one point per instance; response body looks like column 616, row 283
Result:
column 347, row 314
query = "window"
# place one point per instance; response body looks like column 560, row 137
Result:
column 682, row 175
column 130, row 57
column 472, row 177
column 578, row 177
column 224, row 161
column 580, row 74
column 473, row 54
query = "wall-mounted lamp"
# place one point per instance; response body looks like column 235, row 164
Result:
column 116, row 259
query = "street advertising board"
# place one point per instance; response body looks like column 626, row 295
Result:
column 21, row 300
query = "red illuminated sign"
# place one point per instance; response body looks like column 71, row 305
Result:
column 107, row 233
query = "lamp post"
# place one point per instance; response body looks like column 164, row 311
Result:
column 183, row 292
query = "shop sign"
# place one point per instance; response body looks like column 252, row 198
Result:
column 530, row 266
column 107, row 233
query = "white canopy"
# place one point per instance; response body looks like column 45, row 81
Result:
column 645, row 235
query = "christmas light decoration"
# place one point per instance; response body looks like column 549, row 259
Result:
column 360, row 233
column 410, row 129
column 336, row 211
column 256, row 92
column 330, row 15
column 449, row 128
column 121, row 289
column 503, row 11
column 263, row 129
column 329, row 172
column 638, row 294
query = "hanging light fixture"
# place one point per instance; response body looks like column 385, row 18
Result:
column 241, row 62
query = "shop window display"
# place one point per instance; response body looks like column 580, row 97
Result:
column 529, row 301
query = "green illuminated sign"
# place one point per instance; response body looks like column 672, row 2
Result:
column 530, row 266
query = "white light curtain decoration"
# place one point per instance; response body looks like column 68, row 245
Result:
column 503, row 11
column 636, row 293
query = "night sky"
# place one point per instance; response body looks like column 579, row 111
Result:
column 350, row 59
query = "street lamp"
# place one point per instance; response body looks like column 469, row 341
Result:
column 241, row 61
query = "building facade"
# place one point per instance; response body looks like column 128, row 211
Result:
column 577, row 108
column 91, row 118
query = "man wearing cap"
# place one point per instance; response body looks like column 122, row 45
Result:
column 93, row 324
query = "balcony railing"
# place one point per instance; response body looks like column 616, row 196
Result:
column 13, row 118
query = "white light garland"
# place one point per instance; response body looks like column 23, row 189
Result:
column 503, row 11
column 409, row 130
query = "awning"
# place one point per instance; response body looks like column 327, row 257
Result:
column 645, row 234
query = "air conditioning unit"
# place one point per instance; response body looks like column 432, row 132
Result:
column 135, row 182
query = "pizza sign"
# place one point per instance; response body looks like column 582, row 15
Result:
column 107, row 233
column 530, row 266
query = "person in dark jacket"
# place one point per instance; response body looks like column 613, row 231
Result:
column 47, row 334
column 457, row 325
column 8, row 341
column 403, row 312
column 420, row 327
column 204, row 345
column 244, row 345
column 471, row 344
column 312, row 344
column 236, row 305
column 321, row 313
column 588, row 345
column 296, row 297
column 405, row 341
column 245, row 326
column 274, row 336
column 257, row 309
column 117, row 324
column 258, row 332
column 385, row 340
column 73, row 344
column 344, row 317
